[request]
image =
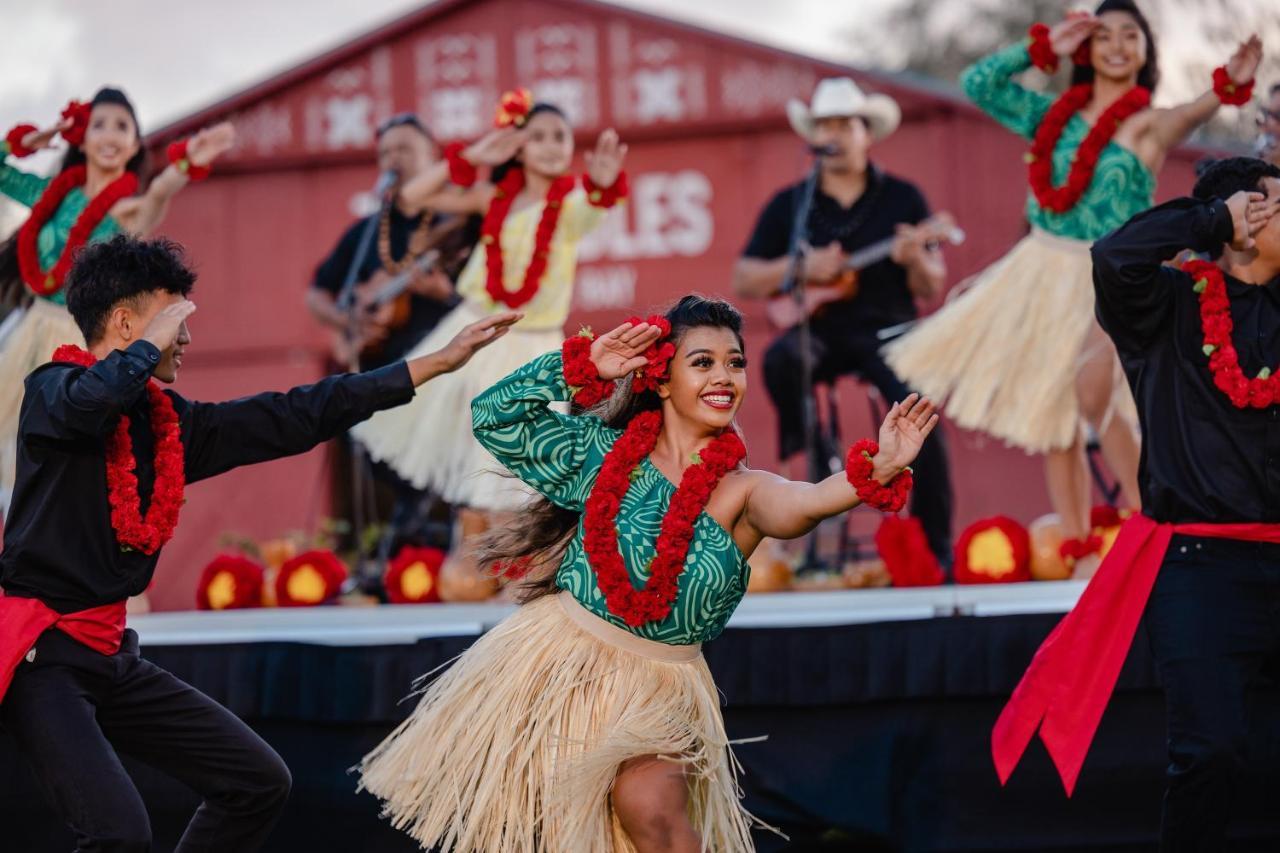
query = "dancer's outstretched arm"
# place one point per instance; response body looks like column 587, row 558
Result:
column 141, row 214
column 272, row 425
column 430, row 189
column 1170, row 127
column 785, row 509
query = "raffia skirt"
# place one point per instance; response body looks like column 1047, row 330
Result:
column 28, row 338
column 1003, row 357
column 429, row 441
column 517, row 745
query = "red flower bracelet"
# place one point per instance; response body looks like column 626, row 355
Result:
column 15, row 137
column 1041, row 50
column 1228, row 91
column 462, row 171
column 858, row 469
column 606, row 196
column 177, row 154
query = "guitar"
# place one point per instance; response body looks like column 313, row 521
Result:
column 782, row 311
column 383, row 302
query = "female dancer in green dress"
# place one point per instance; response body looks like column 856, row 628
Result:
column 588, row 720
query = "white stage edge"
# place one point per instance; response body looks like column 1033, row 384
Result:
column 400, row 624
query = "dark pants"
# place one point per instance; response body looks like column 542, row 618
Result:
column 71, row 708
column 1213, row 620
column 837, row 352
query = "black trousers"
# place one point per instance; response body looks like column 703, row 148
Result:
column 839, row 352
column 1213, row 621
column 71, row 708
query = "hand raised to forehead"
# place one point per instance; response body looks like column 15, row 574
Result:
column 621, row 351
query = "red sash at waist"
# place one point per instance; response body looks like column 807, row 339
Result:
column 1069, row 682
column 23, row 620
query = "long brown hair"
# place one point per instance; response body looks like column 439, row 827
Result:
column 541, row 531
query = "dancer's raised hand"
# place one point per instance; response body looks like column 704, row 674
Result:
column 211, row 142
column 37, row 139
column 619, row 352
column 1250, row 213
column 476, row 337
column 605, row 162
column 495, row 147
column 1243, row 64
column 903, row 432
column 1068, row 34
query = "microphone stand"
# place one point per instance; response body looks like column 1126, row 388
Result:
column 363, row 503
column 794, row 284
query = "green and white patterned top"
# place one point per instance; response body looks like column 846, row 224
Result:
column 1122, row 185
column 560, row 456
column 26, row 188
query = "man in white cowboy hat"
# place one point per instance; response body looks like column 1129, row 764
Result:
column 855, row 204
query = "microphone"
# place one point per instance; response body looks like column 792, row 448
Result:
column 828, row 150
column 385, row 182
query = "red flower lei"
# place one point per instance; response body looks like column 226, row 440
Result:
column 1040, row 159
column 491, row 236
column 600, row 538
column 133, row 531
column 1229, row 92
column 40, row 282
column 858, row 468
column 1224, row 362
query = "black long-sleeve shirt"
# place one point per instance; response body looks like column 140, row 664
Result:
column 1203, row 460
column 59, row 545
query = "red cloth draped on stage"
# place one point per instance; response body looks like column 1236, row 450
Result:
column 1067, row 686
column 23, row 620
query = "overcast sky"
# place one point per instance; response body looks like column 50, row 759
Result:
column 177, row 55
column 174, row 56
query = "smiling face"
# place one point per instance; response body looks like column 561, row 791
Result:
column 1118, row 48
column 708, row 378
column 549, row 149
column 111, row 139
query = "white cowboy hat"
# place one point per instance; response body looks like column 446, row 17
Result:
column 840, row 97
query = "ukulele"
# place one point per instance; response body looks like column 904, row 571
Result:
column 782, row 311
column 384, row 301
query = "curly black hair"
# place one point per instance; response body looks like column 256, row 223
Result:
column 122, row 269
column 1224, row 178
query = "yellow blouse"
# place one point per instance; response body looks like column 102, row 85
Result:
column 550, row 307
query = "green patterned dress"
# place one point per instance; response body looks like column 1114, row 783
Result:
column 26, row 189
column 1003, row 356
column 559, row 456
column 1122, row 185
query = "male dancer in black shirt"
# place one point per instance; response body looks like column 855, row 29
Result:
column 79, row 542
column 1199, row 346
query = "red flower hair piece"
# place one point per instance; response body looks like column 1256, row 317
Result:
column 78, row 112
column 513, row 108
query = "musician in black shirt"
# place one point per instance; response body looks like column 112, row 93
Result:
column 83, row 535
column 855, row 204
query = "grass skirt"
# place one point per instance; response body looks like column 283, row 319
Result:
column 429, row 442
column 28, row 338
column 1003, row 357
column 516, row 746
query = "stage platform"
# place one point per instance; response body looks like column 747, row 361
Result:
column 877, row 706
column 394, row 625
